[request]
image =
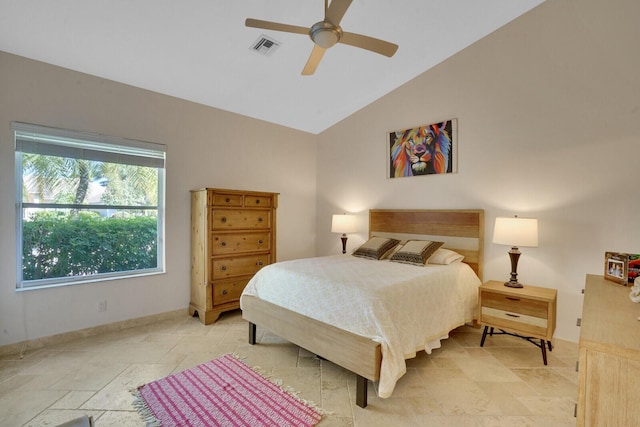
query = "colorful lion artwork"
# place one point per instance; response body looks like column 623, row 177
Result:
column 422, row 151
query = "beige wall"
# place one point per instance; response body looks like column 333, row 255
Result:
column 548, row 111
column 205, row 147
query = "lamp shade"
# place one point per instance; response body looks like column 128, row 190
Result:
column 516, row 231
column 343, row 224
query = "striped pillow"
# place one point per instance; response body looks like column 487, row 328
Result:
column 416, row 252
column 375, row 247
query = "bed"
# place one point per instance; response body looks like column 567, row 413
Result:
column 361, row 350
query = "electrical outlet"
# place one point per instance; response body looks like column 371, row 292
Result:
column 102, row 306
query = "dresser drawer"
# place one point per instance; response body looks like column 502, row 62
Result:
column 226, row 199
column 225, row 243
column 515, row 304
column 514, row 321
column 251, row 201
column 236, row 219
column 238, row 266
column 228, row 291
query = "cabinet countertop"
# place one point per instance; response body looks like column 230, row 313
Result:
column 611, row 319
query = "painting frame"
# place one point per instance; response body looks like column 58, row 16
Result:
column 430, row 149
column 616, row 267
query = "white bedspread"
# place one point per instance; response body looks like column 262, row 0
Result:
column 405, row 308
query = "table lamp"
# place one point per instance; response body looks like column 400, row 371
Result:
column 515, row 232
column 343, row 224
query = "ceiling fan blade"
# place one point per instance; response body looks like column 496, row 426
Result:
column 314, row 59
column 370, row 43
column 275, row 26
column 335, row 12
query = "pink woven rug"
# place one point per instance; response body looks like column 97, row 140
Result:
column 222, row 392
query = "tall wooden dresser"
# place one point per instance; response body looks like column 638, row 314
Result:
column 233, row 235
column 609, row 366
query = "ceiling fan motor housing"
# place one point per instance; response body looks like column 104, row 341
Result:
column 325, row 34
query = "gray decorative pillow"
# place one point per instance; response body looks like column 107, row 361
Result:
column 416, row 252
column 375, row 247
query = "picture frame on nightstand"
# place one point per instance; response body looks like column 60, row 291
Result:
column 616, row 267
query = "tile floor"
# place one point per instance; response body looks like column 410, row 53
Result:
column 503, row 383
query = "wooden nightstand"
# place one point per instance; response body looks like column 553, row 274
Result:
column 528, row 313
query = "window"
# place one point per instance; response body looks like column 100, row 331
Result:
column 89, row 207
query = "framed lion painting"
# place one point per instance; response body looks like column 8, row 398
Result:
column 424, row 150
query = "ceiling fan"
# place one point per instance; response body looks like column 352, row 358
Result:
column 327, row 33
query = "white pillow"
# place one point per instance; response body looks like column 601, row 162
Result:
column 445, row 257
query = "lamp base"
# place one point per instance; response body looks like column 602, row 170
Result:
column 344, row 243
column 514, row 284
column 514, row 255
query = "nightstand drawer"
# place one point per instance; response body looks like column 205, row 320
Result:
column 514, row 321
column 515, row 304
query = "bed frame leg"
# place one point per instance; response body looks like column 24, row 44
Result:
column 361, row 391
column 252, row 333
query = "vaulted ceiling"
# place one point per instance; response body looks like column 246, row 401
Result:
column 201, row 51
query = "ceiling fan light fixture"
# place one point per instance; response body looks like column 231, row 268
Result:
column 325, row 34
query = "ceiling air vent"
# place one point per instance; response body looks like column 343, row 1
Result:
column 265, row 45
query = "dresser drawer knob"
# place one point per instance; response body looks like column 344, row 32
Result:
column 257, row 201
column 223, row 219
column 224, row 243
column 227, row 200
column 224, row 292
column 259, row 263
column 223, row 268
column 260, row 219
column 512, row 315
column 260, row 242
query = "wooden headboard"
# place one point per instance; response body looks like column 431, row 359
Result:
column 461, row 230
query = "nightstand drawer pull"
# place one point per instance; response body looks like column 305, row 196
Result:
column 512, row 299
column 512, row 315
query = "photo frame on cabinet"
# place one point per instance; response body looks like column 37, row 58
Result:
column 633, row 268
column 616, row 267
column 423, row 150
